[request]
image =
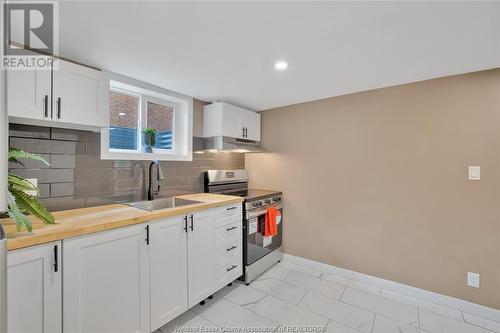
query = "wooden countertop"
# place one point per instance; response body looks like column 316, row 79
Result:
column 77, row 222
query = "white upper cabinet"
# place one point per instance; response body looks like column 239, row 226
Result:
column 168, row 269
column 34, row 289
column 230, row 120
column 29, row 94
column 69, row 96
column 250, row 122
column 79, row 95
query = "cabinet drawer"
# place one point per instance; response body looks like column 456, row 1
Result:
column 228, row 233
column 228, row 253
column 228, row 214
column 229, row 272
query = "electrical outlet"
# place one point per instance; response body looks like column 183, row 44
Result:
column 33, row 181
column 474, row 172
column 473, row 279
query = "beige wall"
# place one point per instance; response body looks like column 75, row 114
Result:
column 376, row 182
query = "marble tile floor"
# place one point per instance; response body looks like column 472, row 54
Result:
column 294, row 298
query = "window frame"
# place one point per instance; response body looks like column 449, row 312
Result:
column 182, row 122
column 175, row 106
column 138, row 122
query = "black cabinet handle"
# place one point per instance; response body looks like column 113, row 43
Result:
column 192, row 222
column 232, row 228
column 147, row 234
column 246, row 132
column 231, row 248
column 243, row 131
column 231, row 208
column 186, row 223
column 46, row 106
column 56, row 258
column 59, row 108
column 232, row 267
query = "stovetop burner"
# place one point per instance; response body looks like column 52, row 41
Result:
column 235, row 182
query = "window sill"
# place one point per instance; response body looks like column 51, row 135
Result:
column 139, row 156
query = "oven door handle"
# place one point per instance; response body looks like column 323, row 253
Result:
column 255, row 213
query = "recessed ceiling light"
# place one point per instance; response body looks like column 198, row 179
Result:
column 121, row 113
column 281, row 65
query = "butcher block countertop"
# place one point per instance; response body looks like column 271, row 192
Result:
column 77, row 222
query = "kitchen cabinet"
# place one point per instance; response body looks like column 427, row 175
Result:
column 201, row 256
column 68, row 96
column 223, row 119
column 168, row 269
column 228, row 240
column 131, row 279
column 34, row 289
column 106, row 282
column 29, row 94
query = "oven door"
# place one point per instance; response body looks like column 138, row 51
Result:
column 257, row 245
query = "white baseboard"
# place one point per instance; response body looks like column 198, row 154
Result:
column 429, row 296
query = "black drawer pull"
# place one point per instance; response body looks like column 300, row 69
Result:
column 232, row 208
column 230, row 269
column 231, row 248
column 56, row 258
column 232, row 228
column 46, row 106
column 59, row 108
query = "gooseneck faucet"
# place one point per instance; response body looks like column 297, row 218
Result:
column 159, row 176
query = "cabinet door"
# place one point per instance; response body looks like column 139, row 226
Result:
column 106, row 282
column 28, row 94
column 34, row 289
column 78, row 95
column 251, row 121
column 168, row 269
column 201, row 256
column 231, row 121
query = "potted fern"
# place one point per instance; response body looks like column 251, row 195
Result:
column 19, row 199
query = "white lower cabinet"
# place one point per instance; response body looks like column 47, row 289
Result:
column 133, row 279
column 168, row 267
column 34, row 289
column 201, row 256
column 106, row 282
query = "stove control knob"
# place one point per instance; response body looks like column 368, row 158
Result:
column 255, row 204
column 268, row 201
column 275, row 199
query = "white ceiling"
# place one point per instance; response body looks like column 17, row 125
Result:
column 226, row 50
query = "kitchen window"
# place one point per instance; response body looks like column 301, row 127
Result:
column 134, row 108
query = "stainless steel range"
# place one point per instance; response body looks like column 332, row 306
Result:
column 259, row 252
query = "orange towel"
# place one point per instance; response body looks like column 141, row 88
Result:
column 270, row 223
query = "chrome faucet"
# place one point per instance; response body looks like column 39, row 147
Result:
column 159, row 176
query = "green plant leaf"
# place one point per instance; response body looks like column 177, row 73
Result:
column 17, row 215
column 149, row 130
column 16, row 154
column 32, row 205
column 20, row 183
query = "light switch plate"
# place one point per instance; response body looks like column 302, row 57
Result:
column 473, row 280
column 474, row 172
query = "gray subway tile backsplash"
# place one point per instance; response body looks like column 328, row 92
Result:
column 78, row 178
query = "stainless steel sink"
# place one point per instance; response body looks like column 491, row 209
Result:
column 162, row 203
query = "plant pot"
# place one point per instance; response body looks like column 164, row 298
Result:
column 149, row 142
